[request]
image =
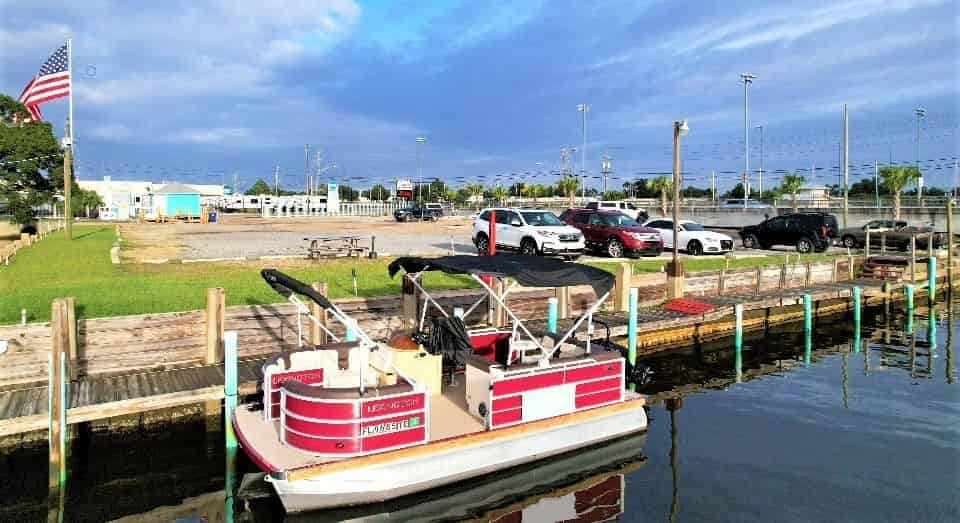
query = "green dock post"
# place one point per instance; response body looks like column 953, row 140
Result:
column 552, row 307
column 632, row 330
column 932, row 278
column 908, row 290
column 932, row 330
column 229, row 386
column 64, row 403
column 807, row 328
column 738, row 340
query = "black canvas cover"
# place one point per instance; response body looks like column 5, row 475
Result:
column 530, row 271
column 286, row 285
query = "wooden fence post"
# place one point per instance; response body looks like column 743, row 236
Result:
column 624, row 281
column 25, row 239
column 783, row 276
column 759, row 277
column 215, row 324
column 318, row 336
column 806, row 279
column 835, row 276
column 70, row 303
column 721, row 281
column 563, row 302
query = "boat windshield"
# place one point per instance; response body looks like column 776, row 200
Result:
column 541, row 219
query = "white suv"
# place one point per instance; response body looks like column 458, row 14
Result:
column 623, row 207
column 529, row 231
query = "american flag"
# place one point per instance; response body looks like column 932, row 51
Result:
column 51, row 83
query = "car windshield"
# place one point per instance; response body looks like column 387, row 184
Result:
column 618, row 220
column 541, row 219
column 690, row 226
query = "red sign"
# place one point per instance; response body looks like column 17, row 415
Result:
column 386, row 406
column 304, row 376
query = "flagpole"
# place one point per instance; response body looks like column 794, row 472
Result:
column 70, row 87
column 68, row 157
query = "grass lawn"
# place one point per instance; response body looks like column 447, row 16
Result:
column 55, row 268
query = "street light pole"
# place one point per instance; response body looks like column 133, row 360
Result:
column 420, row 142
column 675, row 269
column 583, row 108
column 747, row 80
column 761, row 161
column 921, row 114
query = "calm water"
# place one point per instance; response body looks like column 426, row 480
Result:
column 857, row 435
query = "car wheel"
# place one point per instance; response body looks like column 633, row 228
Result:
column 483, row 245
column 849, row 242
column 528, row 247
column 804, row 245
column 750, row 241
column 614, row 248
column 694, row 248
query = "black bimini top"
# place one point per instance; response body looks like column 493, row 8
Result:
column 530, row 271
column 286, row 285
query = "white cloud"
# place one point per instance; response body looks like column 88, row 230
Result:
column 112, row 132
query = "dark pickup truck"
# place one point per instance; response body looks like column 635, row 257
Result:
column 417, row 212
column 895, row 234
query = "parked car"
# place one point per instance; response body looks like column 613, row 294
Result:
column 417, row 212
column 895, row 234
column 627, row 208
column 614, row 233
column 807, row 231
column 528, row 231
column 693, row 237
column 435, row 207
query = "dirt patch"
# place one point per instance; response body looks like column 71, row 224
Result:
column 247, row 236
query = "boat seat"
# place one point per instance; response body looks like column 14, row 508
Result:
column 304, row 360
column 344, row 379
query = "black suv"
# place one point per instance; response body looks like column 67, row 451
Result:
column 808, row 231
column 417, row 212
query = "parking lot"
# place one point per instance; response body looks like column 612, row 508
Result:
column 252, row 237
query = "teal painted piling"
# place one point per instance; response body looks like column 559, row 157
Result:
column 932, row 279
column 807, row 329
column 632, row 310
column 932, row 330
column 230, row 382
column 857, row 303
column 552, row 304
column 351, row 334
column 64, row 403
column 738, row 340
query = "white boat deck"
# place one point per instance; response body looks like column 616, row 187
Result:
column 448, row 418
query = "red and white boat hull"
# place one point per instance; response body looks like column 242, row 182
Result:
column 394, row 474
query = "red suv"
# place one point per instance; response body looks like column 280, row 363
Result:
column 614, row 233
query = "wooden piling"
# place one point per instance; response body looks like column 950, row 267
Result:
column 317, row 335
column 73, row 370
column 721, row 281
column 913, row 258
column 563, row 302
column 57, row 400
column 215, row 324
column 624, row 280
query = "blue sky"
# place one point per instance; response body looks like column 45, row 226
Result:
column 195, row 91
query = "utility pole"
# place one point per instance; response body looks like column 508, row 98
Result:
column 316, row 179
column 583, row 108
column 876, row 182
column 605, row 170
column 761, row 163
column 276, row 180
column 747, row 80
column 306, row 170
column 420, row 143
column 921, row 114
column 713, row 186
column 846, row 163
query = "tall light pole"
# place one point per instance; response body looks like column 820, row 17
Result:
column 846, row 163
column 747, row 79
column 421, row 141
column 306, row 156
column 675, row 269
column 584, row 109
column 921, row 114
column 605, row 166
column 761, row 161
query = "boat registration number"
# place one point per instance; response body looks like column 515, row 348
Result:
column 391, row 426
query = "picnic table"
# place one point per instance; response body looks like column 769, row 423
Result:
column 334, row 246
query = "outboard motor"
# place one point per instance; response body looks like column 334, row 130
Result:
column 449, row 338
column 640, row 374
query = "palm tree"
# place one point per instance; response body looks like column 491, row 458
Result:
column 568, row 186
column 664, row 186
column 895, row 179
column 791, row 185
column 474, row 190
column 499, row 193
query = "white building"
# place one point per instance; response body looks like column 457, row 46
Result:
column 124, row 199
